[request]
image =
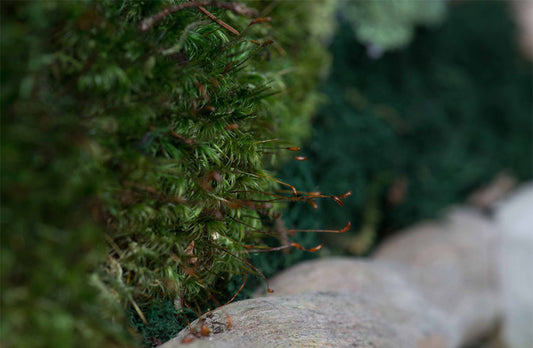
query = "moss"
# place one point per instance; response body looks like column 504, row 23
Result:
column 136, row 158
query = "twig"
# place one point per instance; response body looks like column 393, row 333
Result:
column 236, row 8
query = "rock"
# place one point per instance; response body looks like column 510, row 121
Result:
column 453, row 264
column 523, row 15
column 485, row 197
column 324, row 319
column 337, row 274
column 515, row 220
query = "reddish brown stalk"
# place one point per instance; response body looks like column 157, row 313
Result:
column 203, row 91
column 219, row 21
column 344, row 195
column 227, row 68
column 255, row 269
column 180, row 137
column 228, row 318
column 232, row 126
column 260, row 20
column 309, row 199
column 311, row 250
column 338, row 200
column 253, row 229
column 281, row 229
column 250, row 204
column 270, row 194
column 266, row 141
column 273, row 149
column 346, row 228
column 266, row 43
column 210, row 108
column 287, row 246
column 247, row 225
column 279, row 182
column 235, row 295
column 314, row 194
column 236, row 8
column 198, row 314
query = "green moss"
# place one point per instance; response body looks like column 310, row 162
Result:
column 135, row 160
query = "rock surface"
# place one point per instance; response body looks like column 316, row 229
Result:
column 433, row 285
column 324, row 319
column 515, row 220
column 453, row 264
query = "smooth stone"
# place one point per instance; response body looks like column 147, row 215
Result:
column 322, row 319
column 454, row 265
column 515, row 220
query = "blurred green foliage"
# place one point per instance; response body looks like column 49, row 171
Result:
column 420, row 128
column 49, row 242
column 390, row 24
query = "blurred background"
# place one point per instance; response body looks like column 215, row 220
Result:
column 427, row 102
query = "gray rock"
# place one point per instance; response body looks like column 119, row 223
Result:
column 323, row 319
column 453, row 264
column 515, row 220
column 336, row 274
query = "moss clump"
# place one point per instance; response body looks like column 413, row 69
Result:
column 134, row 155
column 295, row 62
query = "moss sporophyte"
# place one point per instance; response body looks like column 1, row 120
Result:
column 152, row 131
